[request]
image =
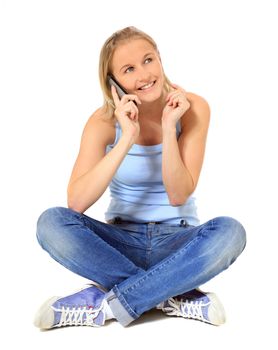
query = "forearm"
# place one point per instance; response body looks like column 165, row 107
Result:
column 176, row 177
column 88, row 188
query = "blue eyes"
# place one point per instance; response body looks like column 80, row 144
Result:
column 130, row 69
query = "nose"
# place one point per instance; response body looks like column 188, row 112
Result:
column 143, row 75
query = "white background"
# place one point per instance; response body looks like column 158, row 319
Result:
column 222, row 50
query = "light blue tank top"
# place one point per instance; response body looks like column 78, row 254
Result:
column 137, row 190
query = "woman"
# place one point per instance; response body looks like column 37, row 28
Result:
column 151, row 252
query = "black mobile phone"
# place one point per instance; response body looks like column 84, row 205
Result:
column 120, row 90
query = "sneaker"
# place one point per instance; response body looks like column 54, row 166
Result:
column 196, row 305
column 84, row 308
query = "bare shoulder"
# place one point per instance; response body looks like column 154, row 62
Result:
column 199, row 111
column 198, row 103
column 101, row 126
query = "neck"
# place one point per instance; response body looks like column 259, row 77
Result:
column 152, row 110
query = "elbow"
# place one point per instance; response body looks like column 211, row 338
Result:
column 180, row 198
column 177, row 201
column 75, row 207
column 78, row 201
column 75, row 204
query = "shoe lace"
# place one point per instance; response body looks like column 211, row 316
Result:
column 187, row 309
column 78, row 316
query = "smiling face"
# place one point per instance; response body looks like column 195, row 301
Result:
column 137, row 67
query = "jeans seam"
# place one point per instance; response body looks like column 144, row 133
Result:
column 148, row 257
column 116, row 239
column 125, row 304
column 169, row 260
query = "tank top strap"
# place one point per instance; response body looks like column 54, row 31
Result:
column 118, row 133
column 178, row 127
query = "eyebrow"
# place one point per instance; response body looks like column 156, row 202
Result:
column 127, row 65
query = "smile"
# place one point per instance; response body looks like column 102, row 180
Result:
column 147, row 86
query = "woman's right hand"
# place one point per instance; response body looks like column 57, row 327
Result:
column 127, row 114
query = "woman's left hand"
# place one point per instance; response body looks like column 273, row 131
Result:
column 176, row 105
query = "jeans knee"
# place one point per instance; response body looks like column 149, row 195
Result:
column 47, row 222
column 233, row 231
column 238, row 232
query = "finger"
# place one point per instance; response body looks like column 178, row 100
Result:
column 173, row 103
column 175, row 86
column 132, row 115
column 176, row 100
column 134, row 98
column 115, row 95
column 169, row 96
column 173, row 92
column 172, row 95
column 132, row 107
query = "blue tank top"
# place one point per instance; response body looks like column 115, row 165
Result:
column 137, row 190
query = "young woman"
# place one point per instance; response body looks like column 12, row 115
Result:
column 151, row 252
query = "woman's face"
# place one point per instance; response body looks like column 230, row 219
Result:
column 137, row 67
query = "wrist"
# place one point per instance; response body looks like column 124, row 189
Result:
column 168, row 123
column 128, row 139
column 168, row 129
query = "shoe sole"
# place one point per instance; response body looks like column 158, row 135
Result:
column 44, row 318
column 216, row 312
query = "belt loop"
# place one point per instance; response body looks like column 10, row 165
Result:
column 117, row 220
column 183, row 223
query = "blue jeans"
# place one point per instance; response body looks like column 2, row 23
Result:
column 140, row 264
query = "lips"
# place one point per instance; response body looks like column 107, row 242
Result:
column 147, row 86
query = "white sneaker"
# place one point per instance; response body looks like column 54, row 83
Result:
column 196, row 305
column 84, row 308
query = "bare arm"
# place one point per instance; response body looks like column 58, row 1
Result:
column 182, row 159
column 176, row 177
column 93, row 169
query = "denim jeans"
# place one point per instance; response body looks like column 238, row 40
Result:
column 140, row 264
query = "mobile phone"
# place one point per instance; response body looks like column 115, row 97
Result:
column 120, row 90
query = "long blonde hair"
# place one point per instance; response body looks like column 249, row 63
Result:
column 105, row 58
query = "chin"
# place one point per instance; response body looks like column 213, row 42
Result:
column 152, row 97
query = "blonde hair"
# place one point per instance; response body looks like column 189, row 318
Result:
column 105, row 59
